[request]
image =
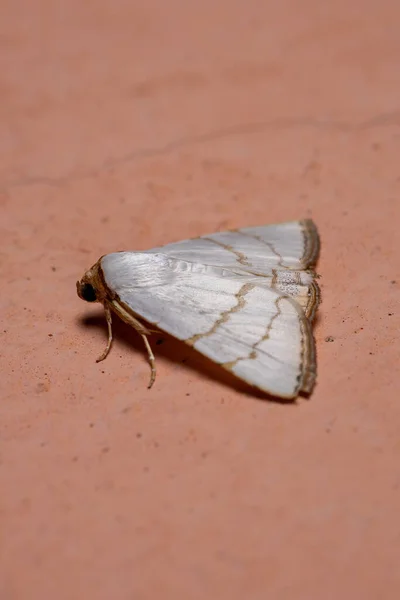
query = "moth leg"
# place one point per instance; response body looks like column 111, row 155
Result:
column 143, row 331
column 110, row 335
column 151, row 360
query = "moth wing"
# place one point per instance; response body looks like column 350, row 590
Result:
column 257, row 250
column 259, row 334
column 283, row 255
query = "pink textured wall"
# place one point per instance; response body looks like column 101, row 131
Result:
column 132, row 124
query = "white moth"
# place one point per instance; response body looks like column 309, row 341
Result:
column 244, row 298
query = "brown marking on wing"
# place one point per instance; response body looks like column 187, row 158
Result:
column 224, row 318
column 241, row 257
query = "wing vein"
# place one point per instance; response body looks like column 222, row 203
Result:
column 268, row 244
column 241, row 258
column 224, row 317
column 254, row 347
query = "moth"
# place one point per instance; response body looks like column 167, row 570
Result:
column 245, row 298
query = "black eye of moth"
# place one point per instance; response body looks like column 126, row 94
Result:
column 88, row 292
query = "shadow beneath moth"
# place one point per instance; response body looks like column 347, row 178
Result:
column 246, row 299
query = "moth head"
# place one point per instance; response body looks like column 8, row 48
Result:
column 86, row 291
column 92, row 287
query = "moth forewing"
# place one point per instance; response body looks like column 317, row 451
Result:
column 245, row 299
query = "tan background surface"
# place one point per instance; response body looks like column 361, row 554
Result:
column 132, row 124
